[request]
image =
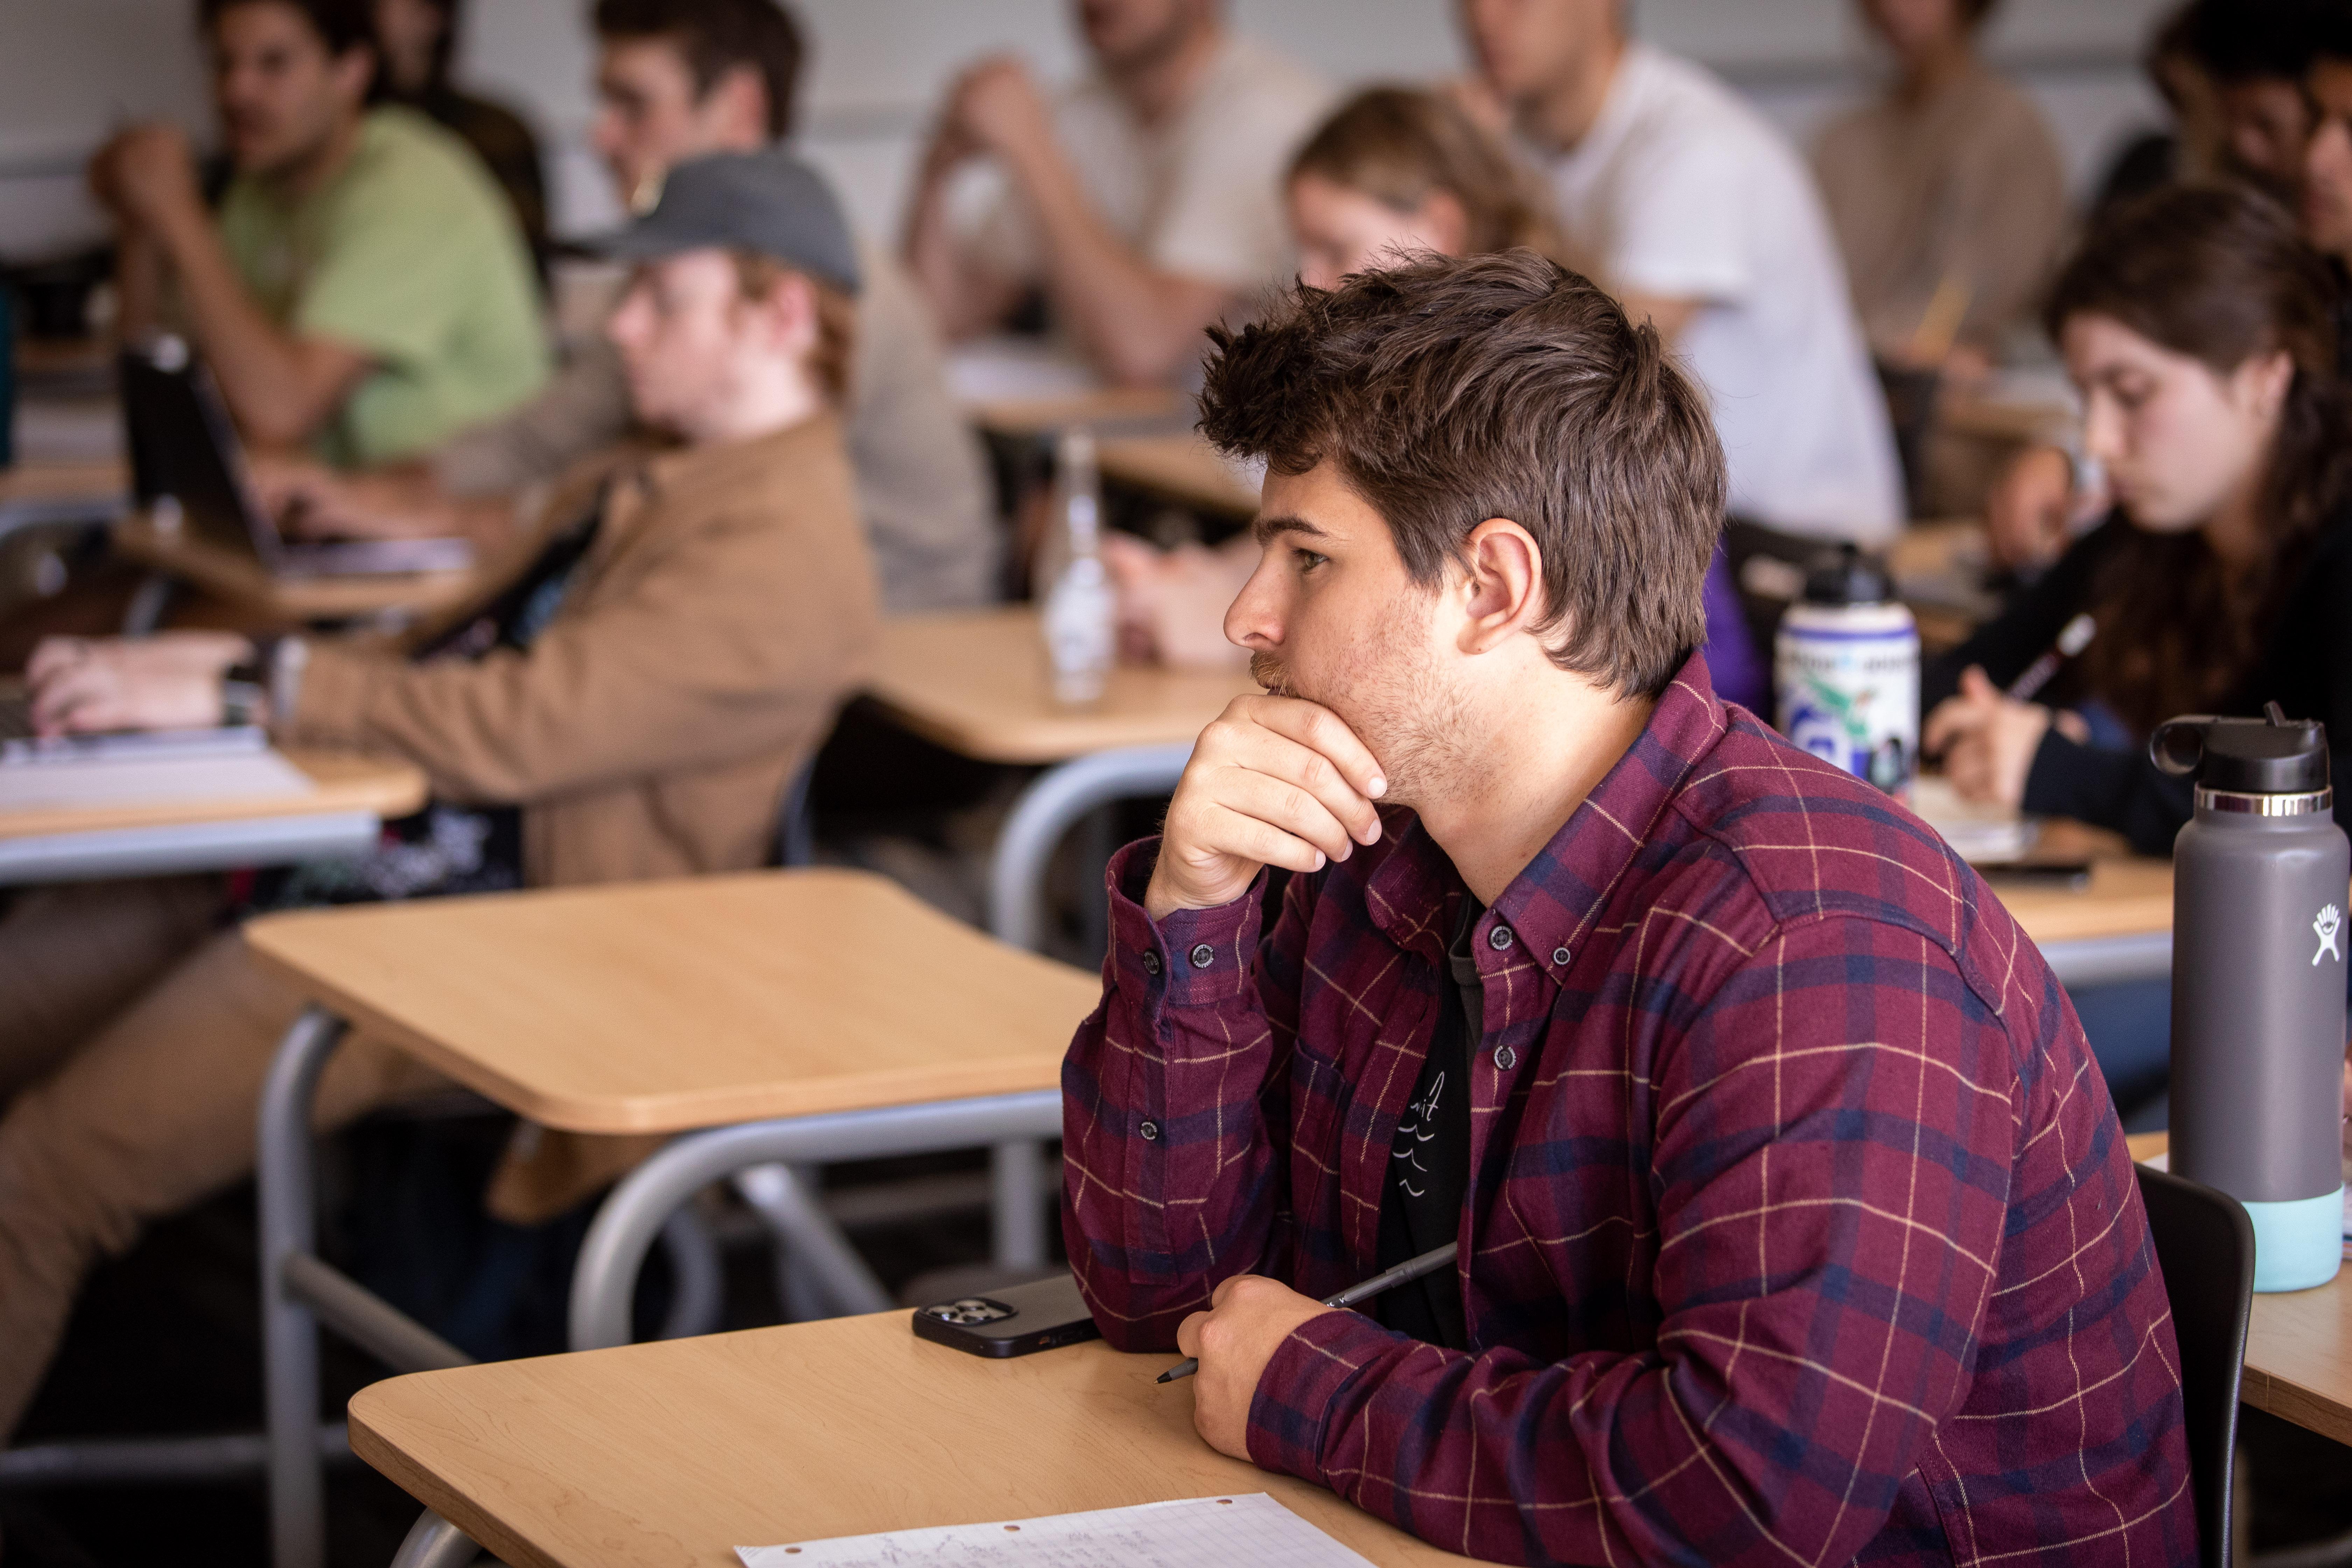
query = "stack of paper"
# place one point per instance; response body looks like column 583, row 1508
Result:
column 1248, row 1530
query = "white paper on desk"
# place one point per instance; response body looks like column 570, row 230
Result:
column 1016, row 370
column 102, row 782
column 1980, row 834
column 1248, row 1530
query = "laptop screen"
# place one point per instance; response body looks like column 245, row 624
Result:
column 182, row 446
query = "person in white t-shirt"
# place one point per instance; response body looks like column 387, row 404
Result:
column 1144, row 203
column 1702, row 216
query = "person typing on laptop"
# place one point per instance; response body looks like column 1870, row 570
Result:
column 628, row 698
column 364, row 290
column 1793, row 1224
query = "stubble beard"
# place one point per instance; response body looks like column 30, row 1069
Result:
column 1392, row 695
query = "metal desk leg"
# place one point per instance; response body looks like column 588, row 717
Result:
column 290, row 1339
column 1055, row 802
column 434, row 1543
column 633, row 1215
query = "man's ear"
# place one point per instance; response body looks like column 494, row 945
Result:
column 1503, row 585
column 787, row 318
column 737, row 104
column 352, row 70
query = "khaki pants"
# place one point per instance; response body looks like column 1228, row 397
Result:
column 133, row 1041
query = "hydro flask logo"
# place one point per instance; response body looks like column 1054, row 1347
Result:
column 2328, row 923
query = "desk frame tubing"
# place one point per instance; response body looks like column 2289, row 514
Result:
column 290, row 1339
column 2110, row 960
column 187, row 847
column 434, row 1543
column 605, row 1278
column 1056, row 801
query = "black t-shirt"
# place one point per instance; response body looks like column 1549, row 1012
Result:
column 1428, row 1161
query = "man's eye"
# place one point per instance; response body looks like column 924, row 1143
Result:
column 1309, row 559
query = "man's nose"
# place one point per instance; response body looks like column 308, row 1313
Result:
column 1254, row 618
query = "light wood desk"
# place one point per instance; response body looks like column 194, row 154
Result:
column 863, row 1022
column 663, row 1007
column 2127, row 897
column 1024, row 418
column 2298, row 1345
column 1181, row 467
column 976, row 682
column 33, row 493
column 343, row 815
column 237, row 577
column 675, row 1453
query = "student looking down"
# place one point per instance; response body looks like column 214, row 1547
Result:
column 627, row 700
column 1792, row 1226
column 364, row 291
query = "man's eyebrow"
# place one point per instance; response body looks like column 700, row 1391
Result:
column 1266, row 530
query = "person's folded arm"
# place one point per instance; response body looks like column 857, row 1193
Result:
column 2120, row 791
column 1175, row 1119
column 1833, row 1160
column 715, row 654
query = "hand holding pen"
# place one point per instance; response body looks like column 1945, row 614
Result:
column 1387, row 1280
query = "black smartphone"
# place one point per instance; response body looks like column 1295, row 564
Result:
column 2074, row 875
column 1015, row 1321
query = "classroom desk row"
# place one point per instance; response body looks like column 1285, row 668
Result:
column 675, row 1453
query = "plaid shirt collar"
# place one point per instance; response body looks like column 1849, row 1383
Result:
column 1549, row 908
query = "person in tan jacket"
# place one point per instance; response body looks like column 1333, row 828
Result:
column 634, row 695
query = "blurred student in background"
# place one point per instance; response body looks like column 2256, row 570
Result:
column 2251, row 66
column 418, row 40
column 365, row 290
column 1143, row 204
column 1945, row 193
column 625, row 699
column 1394, row 173
column 2201, row 331
column 1701, row 218
column 678, row 79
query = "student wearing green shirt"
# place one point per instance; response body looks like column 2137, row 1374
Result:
column 364, row 290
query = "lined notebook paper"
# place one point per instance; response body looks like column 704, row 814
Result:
column 1248, row 1530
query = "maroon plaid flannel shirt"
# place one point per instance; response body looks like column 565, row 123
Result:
column 1800, row 1228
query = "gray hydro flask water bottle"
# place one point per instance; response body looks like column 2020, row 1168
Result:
column 2258, row 984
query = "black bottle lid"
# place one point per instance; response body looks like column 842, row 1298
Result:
column 2277, row 755
column 1847, row 576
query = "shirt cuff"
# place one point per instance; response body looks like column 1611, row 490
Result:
column 1198, row 957
column 327, row 701
column 1303, row 1382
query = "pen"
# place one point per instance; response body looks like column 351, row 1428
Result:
column 2072, row 639
column 1435, row 1259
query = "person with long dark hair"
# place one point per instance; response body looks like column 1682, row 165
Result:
column 2202, row 331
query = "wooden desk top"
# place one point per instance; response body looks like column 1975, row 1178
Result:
column 2126, row 897
column 660, row 1006
column 1020, row 417
column 91, row 479
column 347, row 782
column 674, row 1453
column 238, row 578
column 2298, row 1344
column 1181, row 466
column 975, row 681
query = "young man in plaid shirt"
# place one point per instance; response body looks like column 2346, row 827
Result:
column 1796, row 1225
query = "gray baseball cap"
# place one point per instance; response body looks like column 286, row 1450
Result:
column 769, row 202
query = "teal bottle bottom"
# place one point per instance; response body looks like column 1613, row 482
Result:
column 2298, row 1243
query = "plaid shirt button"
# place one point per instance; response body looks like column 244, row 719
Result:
column 1506, row 1058
column 1151, row 1131
column 1151, row 962
column 1559, row 956
column 1204, row 956
column 1499, row 938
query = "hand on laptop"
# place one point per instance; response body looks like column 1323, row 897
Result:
column 1273, row 781
column 169, row 682
column 311, row 501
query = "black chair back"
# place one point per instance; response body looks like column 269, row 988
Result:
column 2205, row 1245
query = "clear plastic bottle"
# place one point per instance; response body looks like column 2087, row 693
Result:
column 1080, row 611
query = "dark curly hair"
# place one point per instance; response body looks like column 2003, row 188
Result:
column 1451, row 390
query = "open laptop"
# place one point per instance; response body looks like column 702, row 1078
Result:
column 187, row 464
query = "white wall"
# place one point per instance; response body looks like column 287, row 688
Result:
column 69, row 69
